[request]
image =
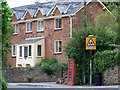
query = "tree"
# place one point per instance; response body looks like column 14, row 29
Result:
column 6, row 30
column 114, row 7
column 106, row 40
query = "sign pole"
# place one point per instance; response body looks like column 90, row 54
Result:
column 90, row 45
column 90, row 67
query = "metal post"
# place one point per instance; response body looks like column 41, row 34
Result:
column 90, row 67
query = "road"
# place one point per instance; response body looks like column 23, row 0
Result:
column 53, row 86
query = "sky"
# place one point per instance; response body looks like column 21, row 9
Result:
column 16, row 3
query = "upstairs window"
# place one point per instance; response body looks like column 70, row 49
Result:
column 29, row 27
column 58, row 23
column 40, row 26
column 13, row 50
column 15, row 28
column 38, row 50
column 58, row 46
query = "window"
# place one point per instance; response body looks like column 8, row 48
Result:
column 20, row 53
column 30, row 47
column 13, row 50
column 40, row 26
column 58, row 23
column 15, row 28
column 39, row 50
column 29, row 27
column 58, row 46
column 25, row 52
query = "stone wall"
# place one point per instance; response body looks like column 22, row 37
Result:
column 112, row 76
column 23, row 75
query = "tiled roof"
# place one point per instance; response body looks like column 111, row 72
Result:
column 47, row 8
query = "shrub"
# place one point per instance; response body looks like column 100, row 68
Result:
column 105, row 60
column 4, row 83
column 47, row 68
column 52, row 61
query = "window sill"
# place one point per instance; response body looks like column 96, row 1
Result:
column 13, row 56
column 39, row 56
column 57, row 29
column 57, row 53
column 20, row 57
column 29, row 56
column 15, row 33
column 40, row 31
column 28, row 32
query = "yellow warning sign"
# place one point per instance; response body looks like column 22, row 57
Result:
column 90, row 43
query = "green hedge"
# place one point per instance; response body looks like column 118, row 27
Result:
column 105, row 60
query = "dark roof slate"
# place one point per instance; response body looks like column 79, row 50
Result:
column 47, row 8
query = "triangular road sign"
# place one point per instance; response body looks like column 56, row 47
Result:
column 90, row 42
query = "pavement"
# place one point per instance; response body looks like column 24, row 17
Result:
column 51, row 85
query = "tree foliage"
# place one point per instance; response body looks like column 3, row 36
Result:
column 105, row 59
column 6, row 30
column 114, row 7
column 106, row 40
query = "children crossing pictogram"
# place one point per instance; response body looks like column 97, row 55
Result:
column 91, row 43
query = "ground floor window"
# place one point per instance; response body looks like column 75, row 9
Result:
column 38, row 50
column 58, row 46
column 30, row 48
column 13, row 50
column 20, row 49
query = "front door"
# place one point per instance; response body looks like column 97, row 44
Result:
column 25, row 52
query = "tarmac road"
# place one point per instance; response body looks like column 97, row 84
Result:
column 53, row 86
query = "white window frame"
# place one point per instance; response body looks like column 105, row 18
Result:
column 37, row 50
column 15, row 28
column 55, row 49
column 55, row 26
column 38, row 26
column 28, row 50
column 14, row 55
column 30, row 30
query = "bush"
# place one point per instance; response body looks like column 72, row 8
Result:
column 105, row 60
column 47, row 68
column 4, row 83
column 52, row 61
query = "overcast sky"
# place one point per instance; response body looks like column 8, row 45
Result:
column 16, row 3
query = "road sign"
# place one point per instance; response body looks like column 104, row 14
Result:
column 90, row 43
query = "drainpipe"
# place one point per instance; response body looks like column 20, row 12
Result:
column 70, row 26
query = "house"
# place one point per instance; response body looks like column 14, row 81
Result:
column 41, row 30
